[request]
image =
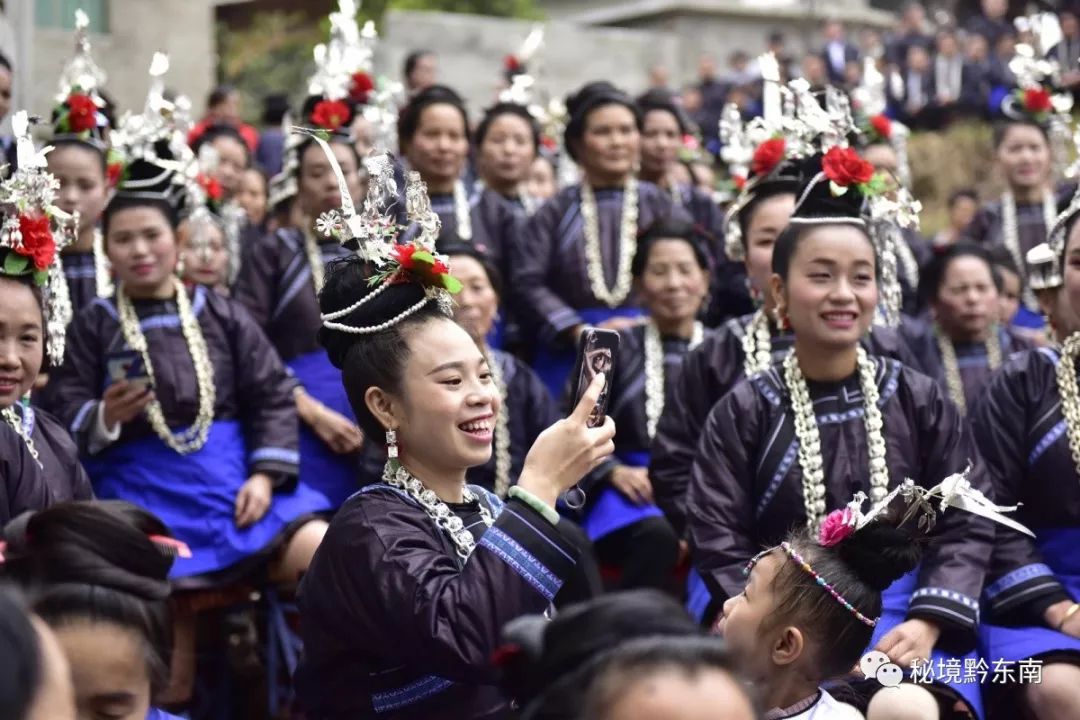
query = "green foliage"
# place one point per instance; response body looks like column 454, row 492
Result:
column 273, row 55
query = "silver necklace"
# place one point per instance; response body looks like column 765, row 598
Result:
column 654, row 372
column 1011, row 234
column 12, row 419
column 395, row 475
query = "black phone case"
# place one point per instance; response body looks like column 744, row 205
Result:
column 601, row 348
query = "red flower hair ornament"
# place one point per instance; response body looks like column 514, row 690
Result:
column 330, row 114
column 882, row 125
column 81, row 113
column 767, row 156
column 845, row 169
column 361, row 87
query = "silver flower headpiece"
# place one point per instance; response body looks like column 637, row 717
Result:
column 373, row 235
column 348, row 51
column 954, row 491
column 34, row 231
column 81, row 71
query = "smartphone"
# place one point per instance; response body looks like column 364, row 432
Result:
column 128, row 365
column 598, row 351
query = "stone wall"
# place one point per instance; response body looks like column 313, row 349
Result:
column 182, row 29
column 471, row 48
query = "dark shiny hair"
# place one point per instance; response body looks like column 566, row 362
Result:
column 591, row 97
column 376, row 359
column 762, row 192
column 662, row 101
column 21, row 672
column 637, row 660
column 932, row 276
column 788, row 242
column 125, row 202
column 1001, row 130
column 220, row 130
column 413, row 59
column 671, row 228
column 409, row 119
column 859, row 568
column 219, row 95
column 507, row 108
column 450, row 244
column 94, row 560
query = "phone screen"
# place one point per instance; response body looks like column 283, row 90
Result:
column 127, row 365
column 597, row 353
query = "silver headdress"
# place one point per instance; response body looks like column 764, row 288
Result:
column 158, row 137
column 35, row 230
column 344, row 73
column 373, row 235
column 954, row 491
column 523, row 83
column 870, row 103
column 1039, row 98
column 792, row 120
column 81, row 72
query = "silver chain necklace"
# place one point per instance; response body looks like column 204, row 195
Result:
column 395, row 475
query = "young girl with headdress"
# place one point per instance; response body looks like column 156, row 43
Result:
column 97, row 573
column 810, row 605
column 280, row 279
column 79, row 160
column 39, row 464
column 789, row 443
column 403, row 604
column 1027, row 429
column 571, row 267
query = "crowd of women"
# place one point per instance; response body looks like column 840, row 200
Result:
column 334, row 412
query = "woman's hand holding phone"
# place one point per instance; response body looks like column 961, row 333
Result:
column 565, row 452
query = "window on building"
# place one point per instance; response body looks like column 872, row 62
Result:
column 61, row 14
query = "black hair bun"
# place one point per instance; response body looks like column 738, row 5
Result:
column 347, row 282
column 881, row 553
column 105, row 542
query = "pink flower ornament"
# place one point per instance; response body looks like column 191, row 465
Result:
column 836, row 527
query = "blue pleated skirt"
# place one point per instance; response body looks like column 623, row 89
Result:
column 612, row 510
column 1059, row 550
column 333, row 476
column 895, row 601
column 195, row 495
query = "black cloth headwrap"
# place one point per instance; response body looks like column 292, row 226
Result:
column 589, row 98
column 815, row 202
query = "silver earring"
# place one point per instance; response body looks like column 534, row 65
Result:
column 391, row 444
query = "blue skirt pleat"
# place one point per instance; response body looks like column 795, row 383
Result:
column 895, row 601
column 333, row 476
column 612, row 510
column 1014, row 644
column 195, row 495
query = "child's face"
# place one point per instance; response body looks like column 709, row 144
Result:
column 744, row 614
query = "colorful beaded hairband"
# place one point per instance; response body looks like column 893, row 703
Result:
column 797, row 558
